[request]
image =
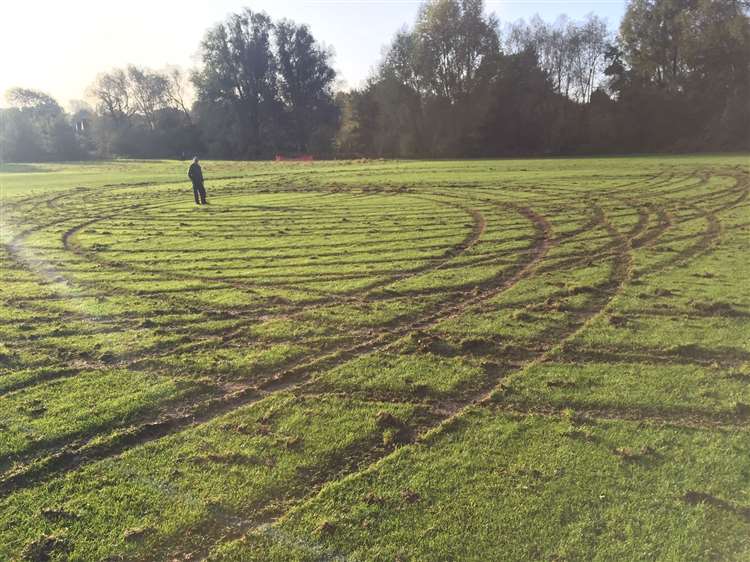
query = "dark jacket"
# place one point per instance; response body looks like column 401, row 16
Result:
column 195, row 173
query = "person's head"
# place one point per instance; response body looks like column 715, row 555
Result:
column 195, row 159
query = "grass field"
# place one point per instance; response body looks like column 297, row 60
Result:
column 481, row 360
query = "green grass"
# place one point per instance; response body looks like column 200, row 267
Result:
column 480, row 360
column 492, row 488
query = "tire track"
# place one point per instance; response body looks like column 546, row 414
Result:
column 243, row 395
column 448, row 412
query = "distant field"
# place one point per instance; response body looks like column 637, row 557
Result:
column 454, row 360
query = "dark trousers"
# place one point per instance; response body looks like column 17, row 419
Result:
column 200, row 193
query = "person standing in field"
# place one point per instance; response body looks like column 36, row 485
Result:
column 196, row 176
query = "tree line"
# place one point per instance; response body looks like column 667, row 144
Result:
column 456, row 83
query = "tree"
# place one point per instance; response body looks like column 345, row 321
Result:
column 239, row 76
column 432, row 86
column 142, row 112
column 571, row 53
column 36, row 128
column 520, row 118
column 358, row 123
column 19, row 142
column 589, row 41
column 305, row 87
column 453, row 41
column 33, row 100
column 687, row 64
column 111, row 90
column 402, row 63
column 676, row 77
column 176, row 90
column 149, row 92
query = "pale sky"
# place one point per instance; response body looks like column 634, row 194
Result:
column 60, row 46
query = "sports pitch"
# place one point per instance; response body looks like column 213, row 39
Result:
column 376, row 360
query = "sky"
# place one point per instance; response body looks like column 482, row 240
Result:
column 59, row 47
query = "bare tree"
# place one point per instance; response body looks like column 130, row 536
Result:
column 178, row 90
column 588, row 45
column 148, row 91
column 571, row 53
column 111, row 91
column 125, row 93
